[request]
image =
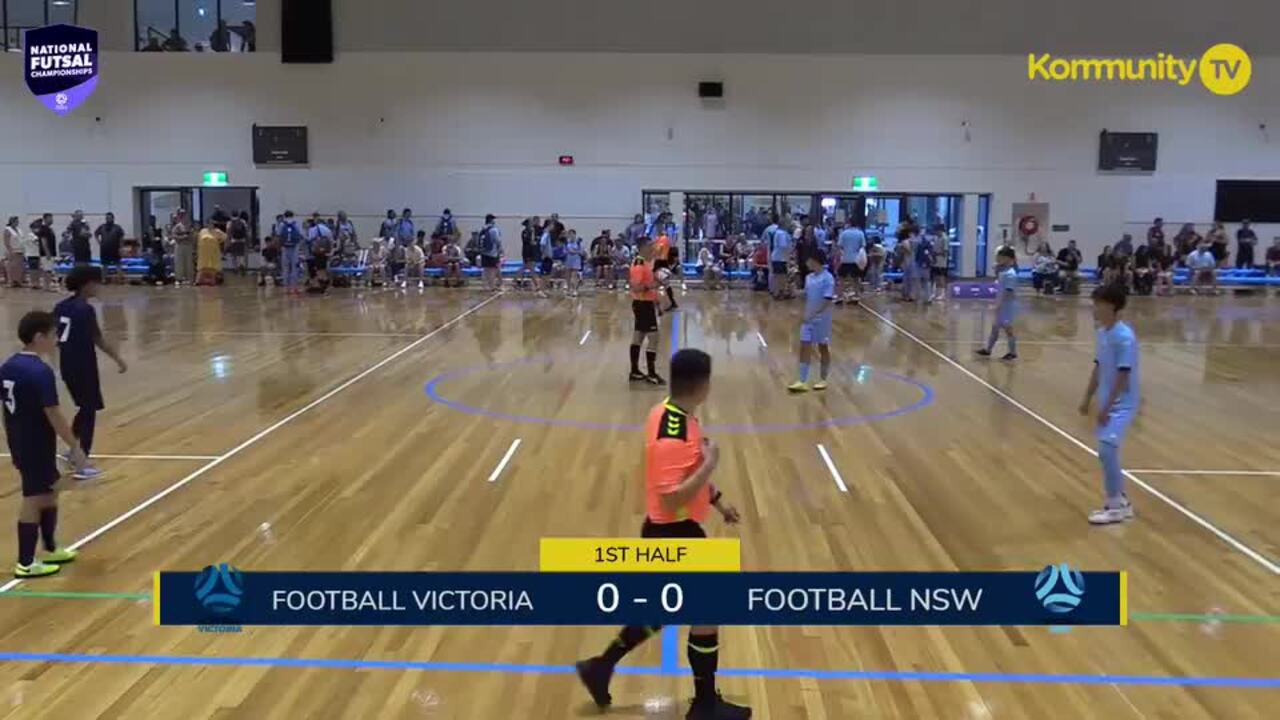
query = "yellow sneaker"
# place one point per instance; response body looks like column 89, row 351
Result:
column 798, row 387
column 820, row 385
column 61, row 556
column 34, row 570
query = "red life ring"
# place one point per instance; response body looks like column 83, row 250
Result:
column 1028, row 225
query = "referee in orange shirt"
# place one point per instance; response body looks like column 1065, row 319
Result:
column 644, row 307
column 679, row 495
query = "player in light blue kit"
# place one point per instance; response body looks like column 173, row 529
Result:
column 1006, row 305
column 819, row 298
column 1115, row 384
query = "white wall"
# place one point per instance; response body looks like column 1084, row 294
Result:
column 481, row 132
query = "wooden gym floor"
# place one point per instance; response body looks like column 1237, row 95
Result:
column 298, row 434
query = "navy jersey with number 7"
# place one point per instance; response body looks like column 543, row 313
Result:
column 77, row 352
column 27, row 387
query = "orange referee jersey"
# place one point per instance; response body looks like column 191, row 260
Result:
column 643, row 284
column 662, row 248
column 673, row 452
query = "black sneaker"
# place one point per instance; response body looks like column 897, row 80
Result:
column 718, row 709
column 655, row 379
column 984, row 352
column 595, row 674
column 637, row 376
column 1009, row 356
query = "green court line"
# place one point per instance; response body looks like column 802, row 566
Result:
column 68, row 595
column 1137, row 616
column 1191, row 617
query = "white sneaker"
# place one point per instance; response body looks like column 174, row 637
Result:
column 1110, row 515
column 88, row 473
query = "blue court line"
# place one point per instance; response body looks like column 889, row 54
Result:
column 865, row 675
column 670, row 649
column 675, row 332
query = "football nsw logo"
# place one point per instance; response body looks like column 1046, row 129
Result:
column 1059, row 588
column 1224, row 69
column 219, row 588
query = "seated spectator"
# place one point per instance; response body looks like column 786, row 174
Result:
column 1108, row 266
column 1162, row 261
column 209, row 244
column 1144, row 279
column 1044, row 272
column 377, row 261
column 1124, row 248
column 760, row 267
column 415, row 260
column 454, row 259
column 1273, row 257
column 1217, row 239
column 1204, row 269
column 602, row 258
column 175, row 42
column 711, row 269
column 1069, row 259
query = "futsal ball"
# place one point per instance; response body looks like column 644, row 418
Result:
column 1059, row 588
column 663, row 275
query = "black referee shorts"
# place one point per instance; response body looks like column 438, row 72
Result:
column 681, row 529
column 646, row 315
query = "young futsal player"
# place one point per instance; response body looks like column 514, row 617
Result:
column 32, row 423
column 819, row 298
column 644, row 306
column 78, row 339
column 663, row 260
column 679, row 462
column 1114, row 383
column 1006, row 305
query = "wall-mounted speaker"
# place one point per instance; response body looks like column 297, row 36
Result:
column 710, row 90
column 306, row 31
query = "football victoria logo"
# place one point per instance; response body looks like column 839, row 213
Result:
column 1059, row 588
column 219, row 588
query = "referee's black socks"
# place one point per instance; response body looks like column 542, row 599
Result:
column 651, row 359
column 704, row 660
column 28, row 537
column 629, row 638
column 635, row 359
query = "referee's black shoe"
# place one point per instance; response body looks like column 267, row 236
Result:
column 717, row 709
column 595, row 674
column 655, row 379
column 637, row 376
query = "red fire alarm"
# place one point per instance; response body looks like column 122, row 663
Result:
column 566, row 159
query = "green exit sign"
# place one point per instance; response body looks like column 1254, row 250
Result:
column 215, row 179
column 865, row 182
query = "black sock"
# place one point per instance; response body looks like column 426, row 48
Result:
column 28, row 534
column 635, row 358
column 651, row 359
column 48, row 525
column 704, row 660
column 629, row 638
column 671, row 296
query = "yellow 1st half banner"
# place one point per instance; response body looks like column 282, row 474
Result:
column 616, row 555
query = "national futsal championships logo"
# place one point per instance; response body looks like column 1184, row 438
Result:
column 1224, row 69
column 219, row 588
column 1059, row 588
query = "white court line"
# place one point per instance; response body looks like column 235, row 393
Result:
column 109, row 456
column 1197, row 519
column 502, row 464
column 760, row 337
column 261, row 434
column 835, row 474
column 583, row 341
column 1091, row 343
column 1265, row 473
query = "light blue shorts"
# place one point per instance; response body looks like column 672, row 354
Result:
column 1008, row 313
column 816, row 331
column 1113, row 432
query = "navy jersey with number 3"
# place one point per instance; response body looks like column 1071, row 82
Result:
column 77, row 352
column 28, row 388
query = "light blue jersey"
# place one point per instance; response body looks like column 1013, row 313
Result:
column 781, row 248
column 1117, row 352
column 852, row 240
column 1008, row 302
column 819, row 290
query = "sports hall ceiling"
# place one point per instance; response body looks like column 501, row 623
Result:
column 1110, row 27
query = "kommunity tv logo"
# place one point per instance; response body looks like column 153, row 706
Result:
column 1224, row 69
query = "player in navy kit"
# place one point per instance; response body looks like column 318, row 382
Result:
column 78, row 339
column 32, row 423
